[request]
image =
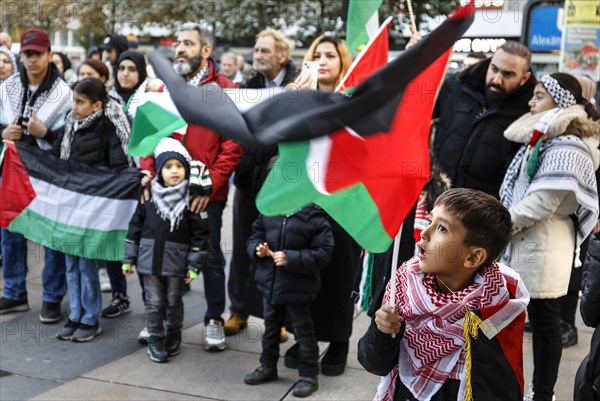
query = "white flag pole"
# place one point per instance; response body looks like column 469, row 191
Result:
column 394, row 267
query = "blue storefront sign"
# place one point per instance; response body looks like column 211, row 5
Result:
column 545, row 28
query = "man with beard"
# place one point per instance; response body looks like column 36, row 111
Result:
column 193, row 49
column 272, row 67
column 474, row 108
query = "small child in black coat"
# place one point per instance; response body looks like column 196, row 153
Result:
column 289, row 280
column 168, row 243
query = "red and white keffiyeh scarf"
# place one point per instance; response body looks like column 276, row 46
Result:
column 432, row 349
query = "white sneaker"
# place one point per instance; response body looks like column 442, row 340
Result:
column 214, row 336
column 143, row 336
column 104, row 280
column 529, row 395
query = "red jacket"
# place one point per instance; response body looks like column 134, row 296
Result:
column 221, row 155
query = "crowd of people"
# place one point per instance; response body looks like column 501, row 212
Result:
column 513, row 184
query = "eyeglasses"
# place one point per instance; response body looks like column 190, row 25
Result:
column 187, row 44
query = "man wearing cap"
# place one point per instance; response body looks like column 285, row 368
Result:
column 33, row 111
column 193, row 61
column 113, row 46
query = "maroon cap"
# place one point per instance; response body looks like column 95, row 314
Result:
column 36, row 40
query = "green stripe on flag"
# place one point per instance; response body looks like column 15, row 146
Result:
column 83, row 242
column 289, row 186
column 359, row 14
column 151, row 124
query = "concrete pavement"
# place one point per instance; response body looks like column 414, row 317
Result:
column 34, row 365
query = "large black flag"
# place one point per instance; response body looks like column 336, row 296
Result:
column 306, row 114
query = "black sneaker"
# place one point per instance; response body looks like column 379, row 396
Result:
column 156, row 350
column 262, row 374
column 50, row 312
column 13, row 305
column 66, row 332
column 568, row 334
column 173, row 343
column 85, row 333
column 118, row 305
column 305, row 386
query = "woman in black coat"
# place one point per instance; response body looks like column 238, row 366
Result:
column 587, row 378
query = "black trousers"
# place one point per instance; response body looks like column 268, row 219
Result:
column 244, row 297
column 544, row 315
column 304, row 332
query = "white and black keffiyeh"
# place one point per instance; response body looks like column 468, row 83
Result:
column 112, row 110
column 196, row 79
column 50, row 106
column 562, row 97
column 565, row 164
column 115, row 114
column 170, row 202
column 71, row 126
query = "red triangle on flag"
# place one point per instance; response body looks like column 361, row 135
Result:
column 16, row 191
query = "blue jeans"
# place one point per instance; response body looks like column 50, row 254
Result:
column 214, row 268
column 14, row 270
column 85, row 299
column 14, row 265
column 54, row 283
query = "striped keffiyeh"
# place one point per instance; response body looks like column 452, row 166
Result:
column 432, row 349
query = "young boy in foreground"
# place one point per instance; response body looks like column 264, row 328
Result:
column 422, row 343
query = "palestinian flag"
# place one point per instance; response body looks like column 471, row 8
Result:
column 362, row 22
column 156, row 116
column 67, row 206
column 305, row 171
column 373, row 143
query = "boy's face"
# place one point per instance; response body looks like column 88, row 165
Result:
column 442, row 250
column 172, row 172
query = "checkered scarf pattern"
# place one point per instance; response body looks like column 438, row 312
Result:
column 562, row 97
column 170, row 202
column 432, row 349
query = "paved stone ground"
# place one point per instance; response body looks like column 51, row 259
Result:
column 33, row 365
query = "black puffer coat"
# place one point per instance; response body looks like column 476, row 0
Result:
column 587, row 379
column 307, row 241
column 96, row 146
column 155, row 249
column 469, row 143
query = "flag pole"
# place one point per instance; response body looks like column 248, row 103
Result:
column 411, row 15
column 394, row 267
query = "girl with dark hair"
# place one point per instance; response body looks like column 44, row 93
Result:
column 62, row 62
column 93, row 135
column 551, row 192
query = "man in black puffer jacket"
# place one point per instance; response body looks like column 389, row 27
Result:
column 587, row 378
column 474, row 108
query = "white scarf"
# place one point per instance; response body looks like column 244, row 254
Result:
column 170, row 202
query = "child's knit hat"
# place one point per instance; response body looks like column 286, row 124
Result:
column 170, row 148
